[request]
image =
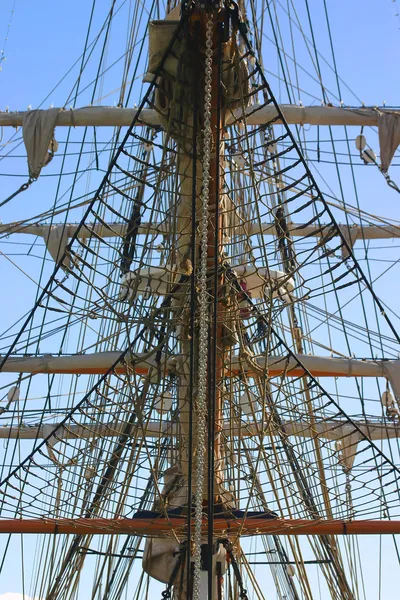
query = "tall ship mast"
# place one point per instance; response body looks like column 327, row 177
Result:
column 203, row 399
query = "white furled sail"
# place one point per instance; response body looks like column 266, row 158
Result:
column 38, row 132
column 389, row 137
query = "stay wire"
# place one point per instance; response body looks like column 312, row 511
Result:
column 96, row 197
column 316, row 187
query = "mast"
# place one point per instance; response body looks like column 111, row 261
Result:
column 211, row 23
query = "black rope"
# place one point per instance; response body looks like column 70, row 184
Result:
column 232, row 560
column 233, row 278
column 129, row 244
column 166, row 594
column 284, row 241
column 96, row 197
column 234, row 10
column 23, row 188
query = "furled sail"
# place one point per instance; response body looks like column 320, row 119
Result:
column 389, row 137
column 38, row 133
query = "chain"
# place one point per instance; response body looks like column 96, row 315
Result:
column 349, row 497
column 201, row 408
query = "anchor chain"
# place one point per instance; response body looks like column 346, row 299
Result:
column 201, row 404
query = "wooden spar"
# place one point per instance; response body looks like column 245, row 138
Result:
column 101, row 362
column 367, row 232
column 107, row 116
column 330, row 430
column 56, row 237
column 160, row 527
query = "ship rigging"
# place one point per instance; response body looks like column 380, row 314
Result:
column 211, row 299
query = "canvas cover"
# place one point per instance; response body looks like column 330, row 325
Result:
column 38, row 134
column 389, row 137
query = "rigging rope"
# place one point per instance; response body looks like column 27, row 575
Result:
column 23, row 188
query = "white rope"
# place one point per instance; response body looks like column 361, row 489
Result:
column 201, row 405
